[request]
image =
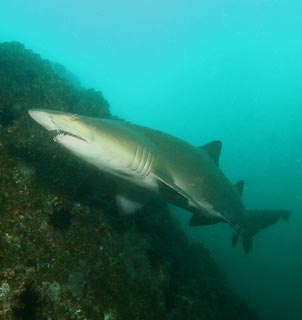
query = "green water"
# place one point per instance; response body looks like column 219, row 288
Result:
column 202, row 70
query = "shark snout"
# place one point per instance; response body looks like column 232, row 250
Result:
column 43, row 117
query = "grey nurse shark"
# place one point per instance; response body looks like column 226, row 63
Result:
column 150, row 163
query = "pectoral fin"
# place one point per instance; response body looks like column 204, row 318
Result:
column 168, row 182
column 206, row 213
column 178, row 192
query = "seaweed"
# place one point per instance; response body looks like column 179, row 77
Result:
column 65, row 253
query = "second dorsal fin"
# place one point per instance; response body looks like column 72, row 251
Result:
column 213, row 149
column 239, row 187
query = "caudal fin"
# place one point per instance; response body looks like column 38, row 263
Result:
column 257, row 220
column 247, row 241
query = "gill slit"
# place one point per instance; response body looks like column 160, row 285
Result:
column 146, row 169
column 142, row 161
column 132, row 164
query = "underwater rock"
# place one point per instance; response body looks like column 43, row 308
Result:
column 27, row 80
column 65, row 253
column 66, row 74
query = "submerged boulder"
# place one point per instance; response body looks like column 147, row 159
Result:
column 65, row 253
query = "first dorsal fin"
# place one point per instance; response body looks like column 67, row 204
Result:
column 213, row 149
column 239, row 186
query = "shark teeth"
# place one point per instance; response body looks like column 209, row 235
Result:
column 60, row 135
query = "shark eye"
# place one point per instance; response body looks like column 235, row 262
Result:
column 73, row 117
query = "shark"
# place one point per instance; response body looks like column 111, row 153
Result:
column 150, row 164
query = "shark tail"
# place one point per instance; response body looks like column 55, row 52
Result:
column 257, row 220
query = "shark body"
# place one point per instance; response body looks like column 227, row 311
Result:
column 160, row 165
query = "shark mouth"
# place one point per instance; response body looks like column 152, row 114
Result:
column 61, row 136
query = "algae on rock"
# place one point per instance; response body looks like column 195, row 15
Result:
column 64, row 251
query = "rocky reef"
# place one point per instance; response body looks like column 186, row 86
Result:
column 65, row 253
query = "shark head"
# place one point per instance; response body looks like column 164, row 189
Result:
column 71, row 131
column 101, row 142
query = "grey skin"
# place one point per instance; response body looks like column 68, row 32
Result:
column 159, row 165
